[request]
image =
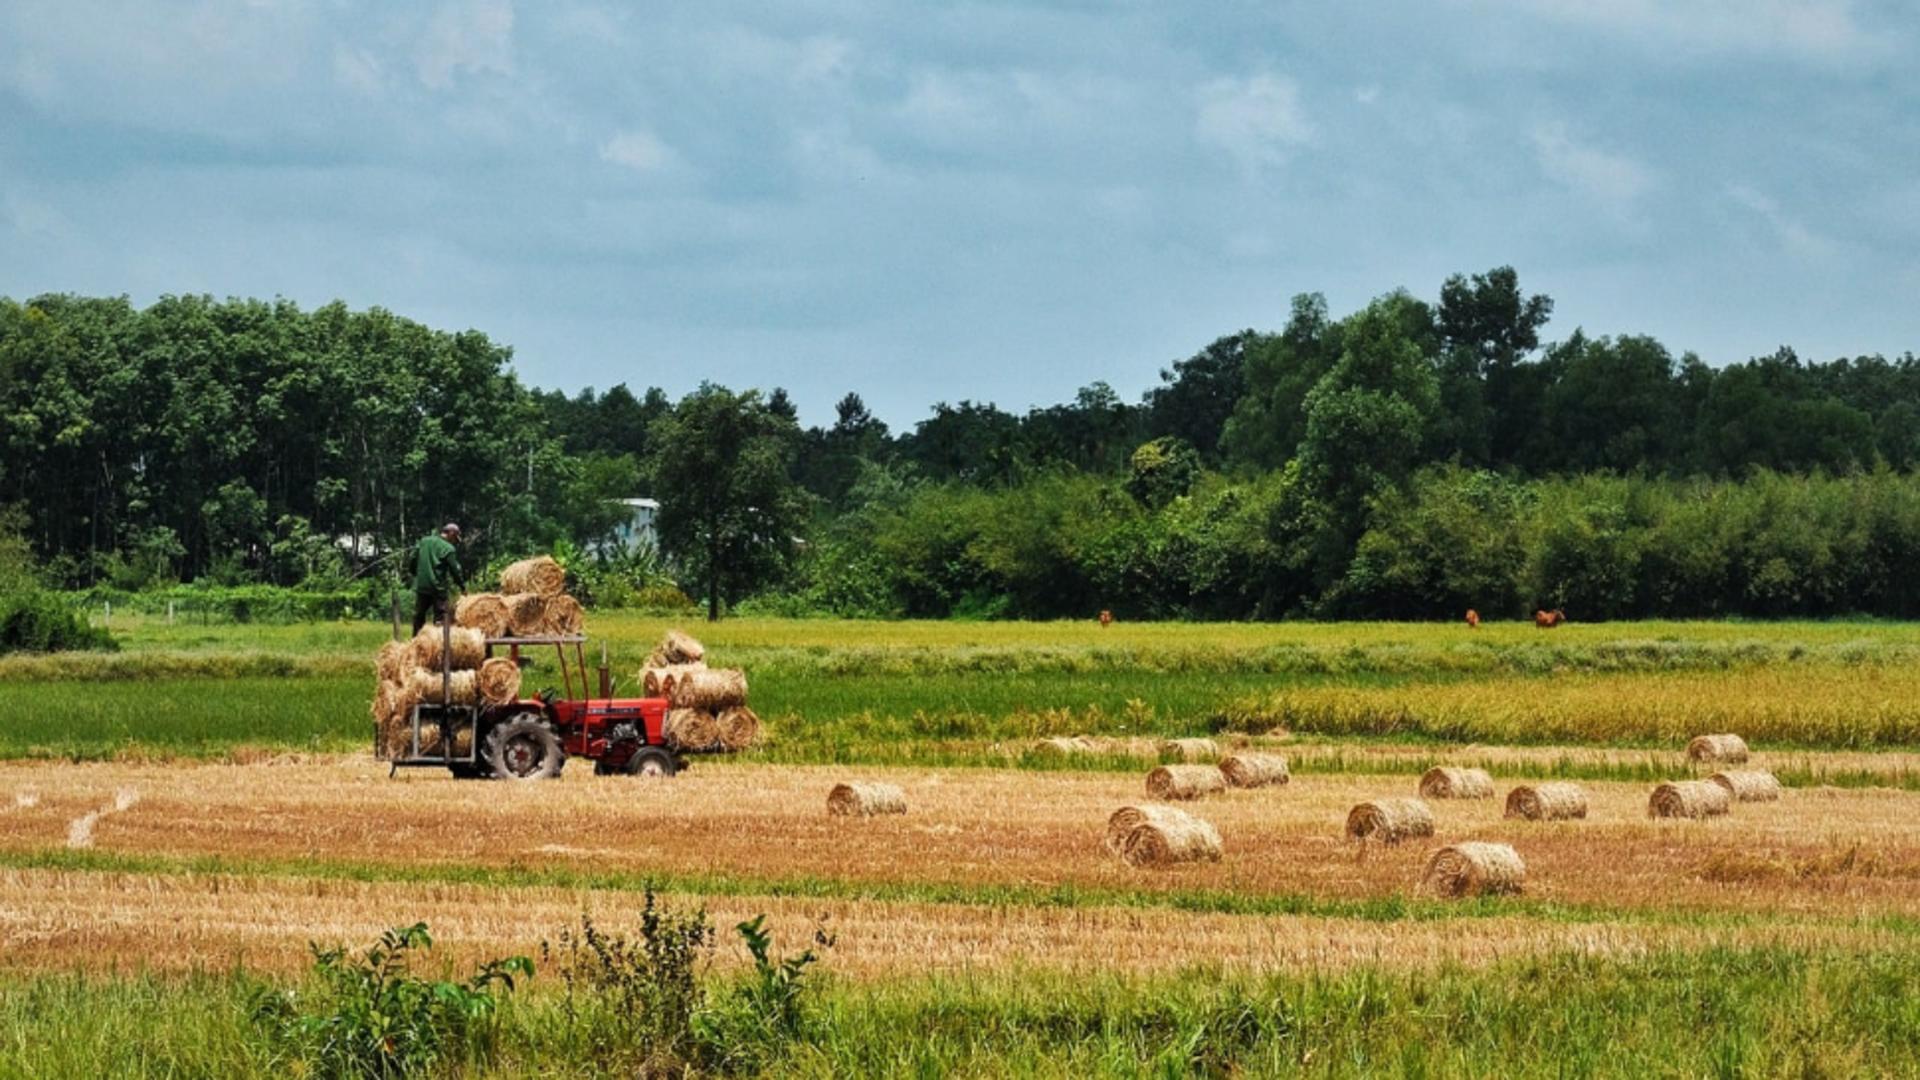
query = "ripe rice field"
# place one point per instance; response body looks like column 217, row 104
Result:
column 233, row 814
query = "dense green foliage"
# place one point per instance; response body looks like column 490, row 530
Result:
column 1410, row 459
column 1716, row 1012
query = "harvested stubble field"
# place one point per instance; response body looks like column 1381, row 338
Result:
column 261, row 822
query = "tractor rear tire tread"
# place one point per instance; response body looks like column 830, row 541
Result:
column 524, row 747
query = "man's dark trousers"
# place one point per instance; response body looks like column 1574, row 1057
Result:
column 427, row 604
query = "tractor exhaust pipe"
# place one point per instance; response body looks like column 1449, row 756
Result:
column 606, row 673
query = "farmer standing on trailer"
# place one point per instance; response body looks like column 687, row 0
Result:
column 436, row 570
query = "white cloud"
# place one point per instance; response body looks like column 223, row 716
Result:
column 1367, row 94
column 1790, row 231
column 474, row 36
column 1823, row 29
column 1606, row 177
column 1255, row 119
column 640, row 151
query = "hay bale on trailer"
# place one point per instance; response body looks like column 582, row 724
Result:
column 1184, row 781
column 691, row 729
column 865, row 798
column 1446, row 782
column 1389, row 821
column 1161, row 836
column 460, row 688
column 485, row 612
column 677, row 647
column 1474, row 869
column 564, row 615
column 394, row 661
column 739, row 728
column 526, row 614
column 537, row 575
column 498, row 681
column 1748, row 785
column 469, row 648
column 1190, row 749
column 658, row 681
column 1728, row 749
column 1245, row 770
column 708, row 688
column 1689, row 799
column 1547, row 802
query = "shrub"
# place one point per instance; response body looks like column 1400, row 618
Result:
column 372, row 1017
column 629, row 1003
column 39, row 622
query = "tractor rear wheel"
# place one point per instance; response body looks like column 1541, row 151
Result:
column 651, row 761
column 523, row 747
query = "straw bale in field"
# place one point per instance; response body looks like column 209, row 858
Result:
column 658, row 681
column 526, row 613
column 461, row 687
column 1067, row 744
column 564, row 616
column 709, row 688
column 1446, row 782
column 739, row 728
column 498, row 681
column 1184, row 781
column 1191, row 749
column 469, row 648
column 1547, row 802
column 1731, row 749
column 1390, row 820
column 1167, row 837
column 537, row 575
column 679, row 647
column 865, row 798
column 1748, row 785
column 1474, row 869
column 485, row 612
column 1128, row 818
column 1689, row 799
column 691, row 729
column 1246, row 770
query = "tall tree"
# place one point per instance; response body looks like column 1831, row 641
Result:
column 729, row 509
column 1197, row 395
column 1270, row 419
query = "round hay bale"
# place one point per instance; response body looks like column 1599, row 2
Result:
column 1689, row 799
column 564, row 616
column 1191, row 749
column 865, row 798
column 1128, row 818
column 1730, row 749
column 739, row 728
column 679, row 647
column 1547, row 802
column 485, row 612
column 536, row 575
column 1184, row 781
column 1474, row 869
column 1446, row 782
column 1389, row 821
column 709, row 688
column 1748, row 785
column 658, row 681
column 691, row 729
column 1245, row 770
column 393, row 660
column 498, row 680
column 1067, row 744
column 1168, row 838
column 461, row 687
column 469, row 648
column 526, row 614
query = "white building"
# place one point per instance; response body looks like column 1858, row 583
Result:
column 636, row 529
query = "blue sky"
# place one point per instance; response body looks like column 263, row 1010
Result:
column 995, row 201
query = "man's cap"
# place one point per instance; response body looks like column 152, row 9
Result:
column 450, row 527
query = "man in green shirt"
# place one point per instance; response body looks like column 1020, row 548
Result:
column 436, row 571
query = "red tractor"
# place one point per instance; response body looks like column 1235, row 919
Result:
column 532, row 737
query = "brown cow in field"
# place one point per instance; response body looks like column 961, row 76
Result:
column 1473, row 619
column 1106, row 618
column 1547, row 620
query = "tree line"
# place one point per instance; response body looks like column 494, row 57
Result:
column 1335, row 466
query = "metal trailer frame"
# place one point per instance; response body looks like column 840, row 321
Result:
column 443, row 712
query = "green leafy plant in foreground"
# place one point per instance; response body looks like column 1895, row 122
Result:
column 371, row 1016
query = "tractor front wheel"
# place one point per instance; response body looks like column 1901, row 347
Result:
column 651, row 761
column 524, row 748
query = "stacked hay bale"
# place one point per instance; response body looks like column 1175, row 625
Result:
column 410, row 673
column 532, row 602
column 709, row 705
